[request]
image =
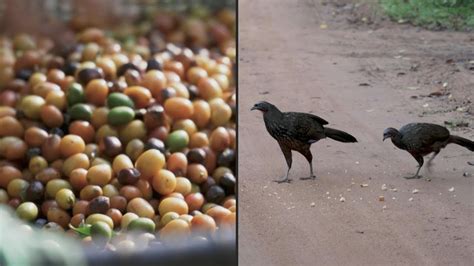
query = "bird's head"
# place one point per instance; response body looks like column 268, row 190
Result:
column 389, row 133
column 263, row 106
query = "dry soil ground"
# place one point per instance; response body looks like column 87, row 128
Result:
column 361, row 79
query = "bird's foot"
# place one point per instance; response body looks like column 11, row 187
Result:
column 283, row 180
column 413, row 177
column 308, row 177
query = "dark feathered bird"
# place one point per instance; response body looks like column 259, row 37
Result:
column 421, row 139
column 297, row 131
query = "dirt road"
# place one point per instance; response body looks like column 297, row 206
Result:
column 351, row 77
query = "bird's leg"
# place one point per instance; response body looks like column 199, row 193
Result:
column 307, row 154
column 432, row 158
column 287, row 153
column 311, row 176
column 428, row 165
column 414, row 176
column 285, row 178
column 420, row 160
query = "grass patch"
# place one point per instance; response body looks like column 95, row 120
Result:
column 433, row 14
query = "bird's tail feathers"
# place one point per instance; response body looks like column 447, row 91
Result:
column 339, row 135
column 462, row 141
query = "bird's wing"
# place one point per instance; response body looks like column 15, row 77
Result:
column 419, row 135
column 304, row 127
column 317, row 119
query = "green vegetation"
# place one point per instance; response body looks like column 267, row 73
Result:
column 434, row 14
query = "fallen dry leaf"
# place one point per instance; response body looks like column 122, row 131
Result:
column 436, row 94
column 457, row 123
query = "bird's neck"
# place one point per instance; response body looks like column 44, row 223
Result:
column 397, row 141
column 272, row 119
column 272, row 114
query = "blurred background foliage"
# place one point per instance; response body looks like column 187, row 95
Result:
column 435, row 14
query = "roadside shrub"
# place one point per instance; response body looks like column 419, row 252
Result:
column 434, row 14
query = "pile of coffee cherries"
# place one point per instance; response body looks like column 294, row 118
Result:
column 122, row 142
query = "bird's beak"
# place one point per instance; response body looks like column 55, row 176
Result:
column 385, row 137
column 253, row 108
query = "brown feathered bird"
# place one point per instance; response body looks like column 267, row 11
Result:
column 421, row 139
column 297, row 131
